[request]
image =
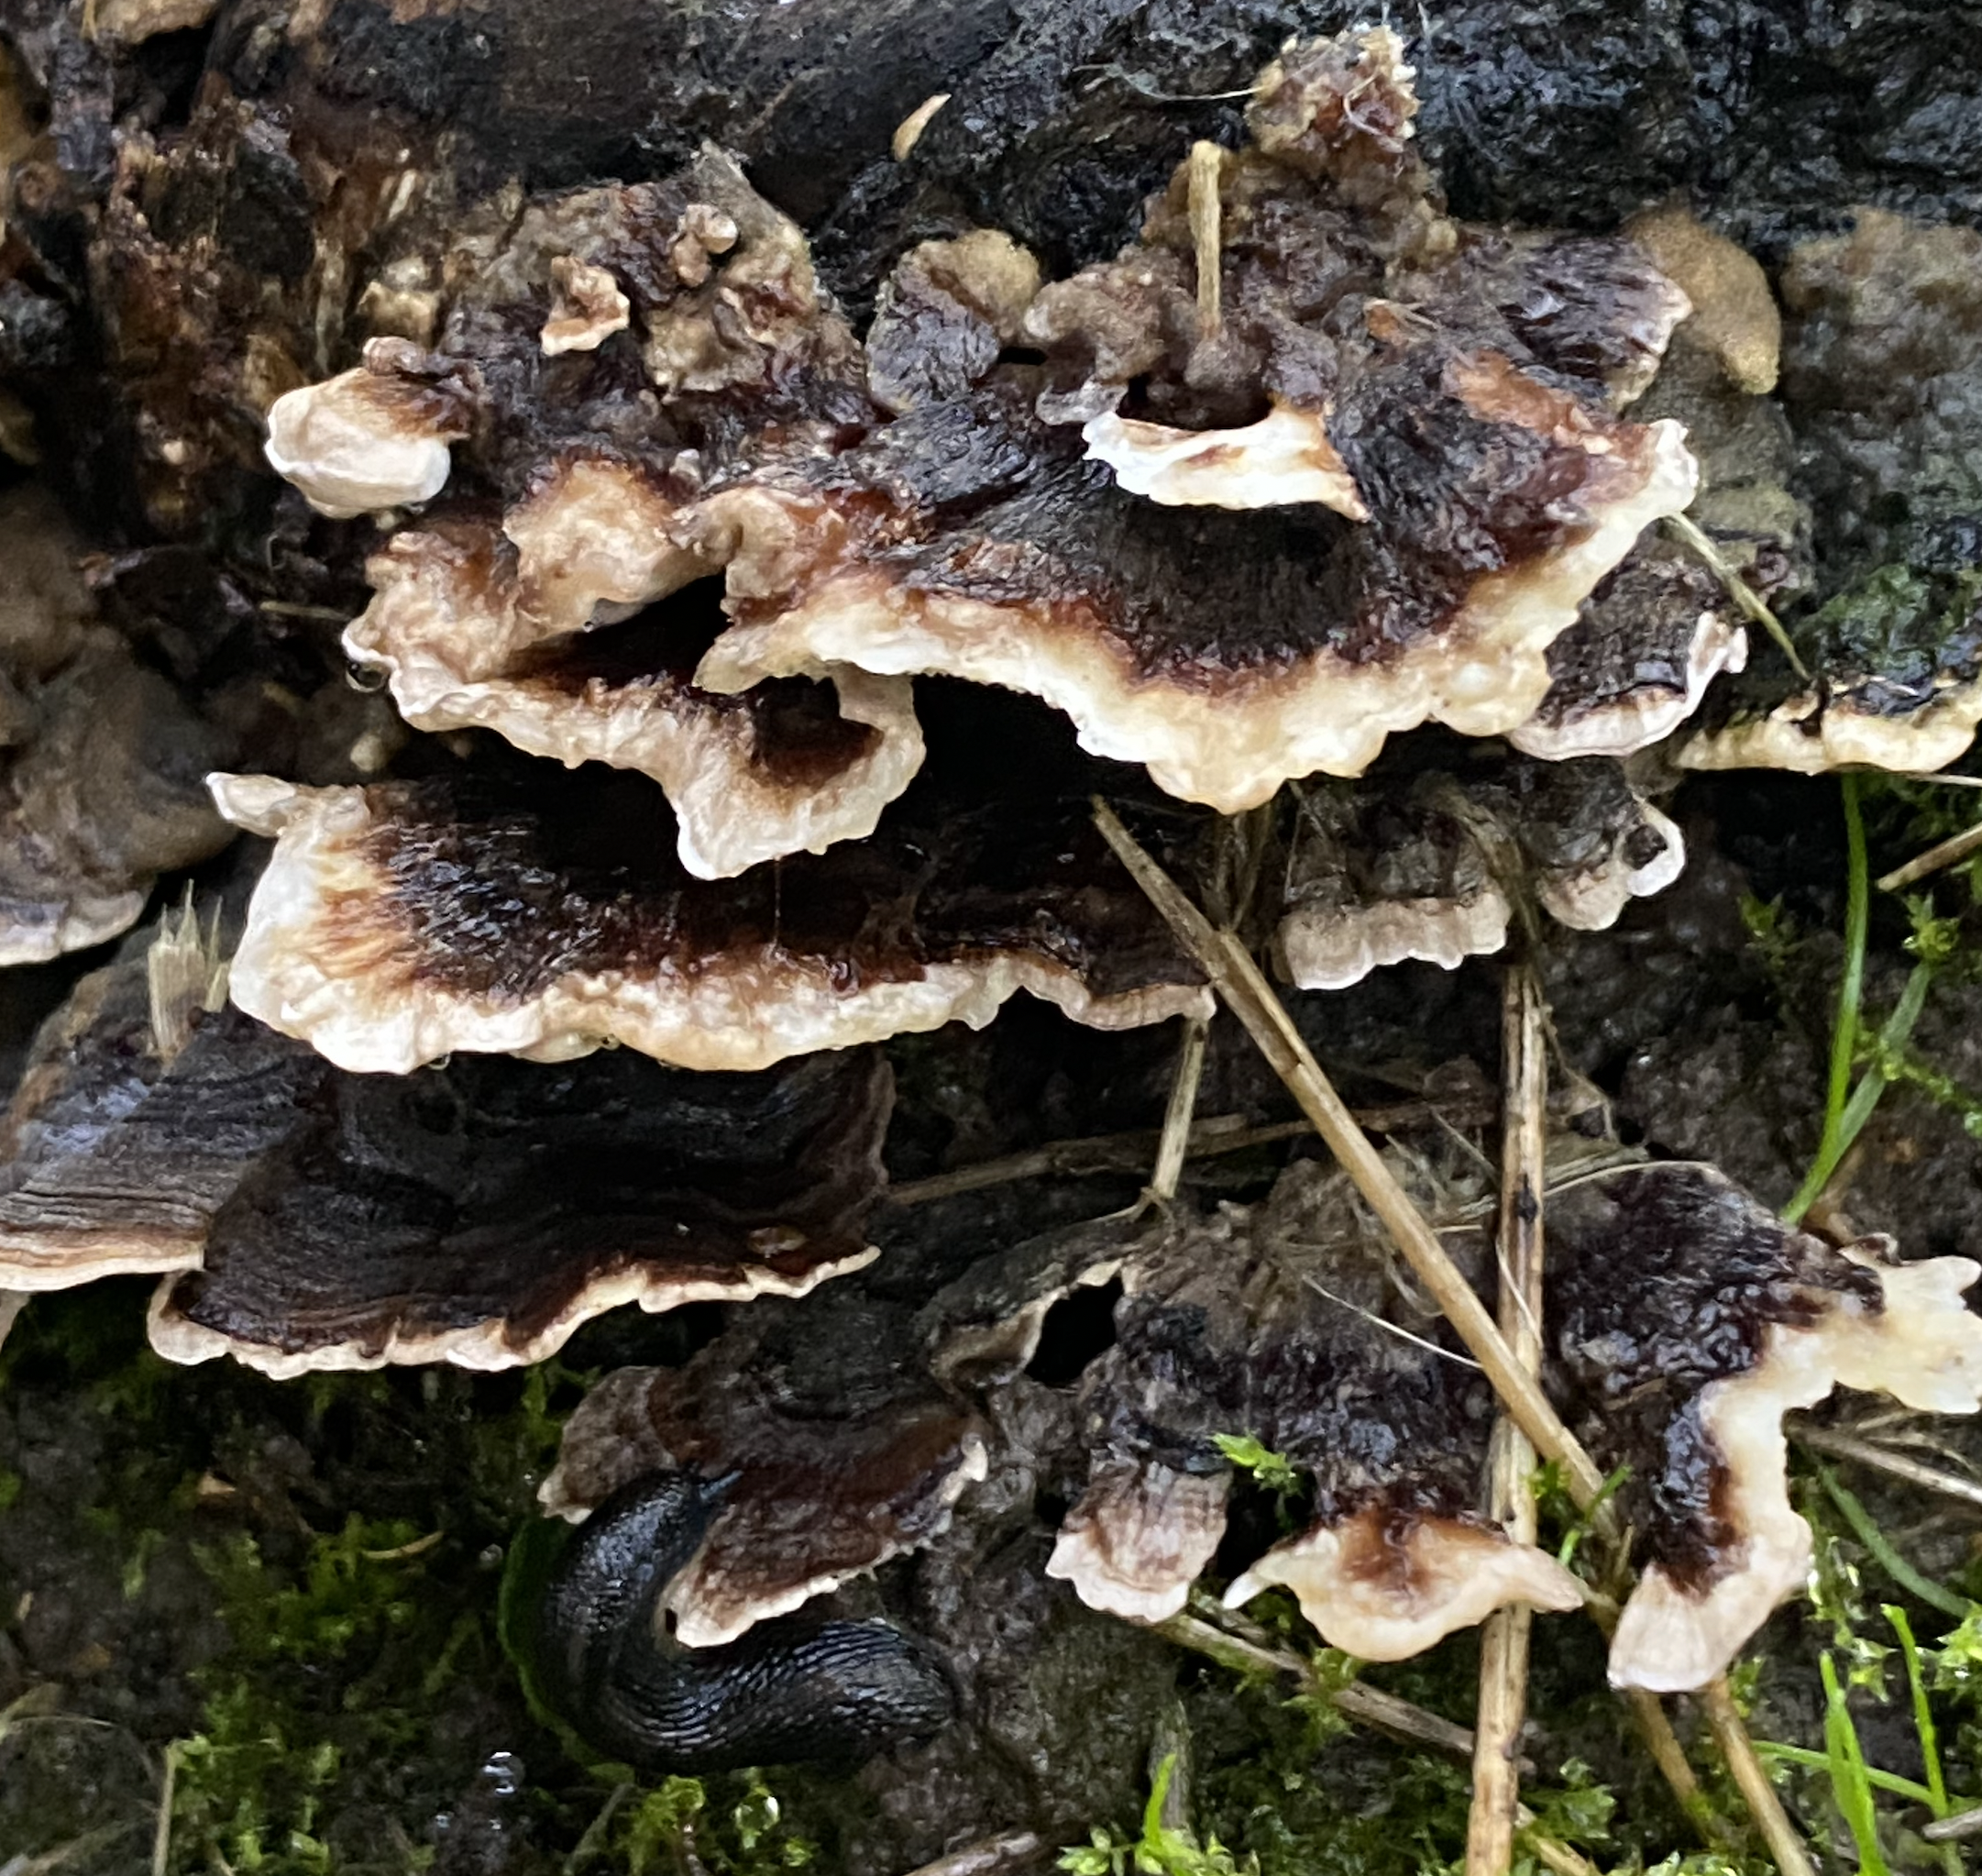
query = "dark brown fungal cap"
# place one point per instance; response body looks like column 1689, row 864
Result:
column 1637, row 662
column 1276, row 1322
column 477, row 1215
column 547, row 916
column 101, row 786
column 575, row 633
column 1414, row 861
column 823, row 1490
column 1450, row 399
column 1684, row 1321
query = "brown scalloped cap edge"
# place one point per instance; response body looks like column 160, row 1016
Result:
column 476, row 628
column 1920, row 1343
column 812, row 1505
column 306, row 1220
column 357, row 942
column 362, row 1332
column 1382, row 871
column 1230, row 731
column 1636, row 664
column 1813, row 734
column 1384, row 1585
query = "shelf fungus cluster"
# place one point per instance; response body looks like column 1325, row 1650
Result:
column 713, row 609
column 1684, row 1320
column 1310, row 464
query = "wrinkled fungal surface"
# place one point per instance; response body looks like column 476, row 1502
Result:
column 1417, row 862
column 397, row 923
column 478, row 1214
column 692, row 426
column 1684, row 1321
column 822, row 1489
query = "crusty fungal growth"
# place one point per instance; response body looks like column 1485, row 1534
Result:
column 570, row 634
column 942, row 314
column 1395, row 465
column 816, row 1498
column 1637, row 662
column 397, row 923
column 1422, row 422
column 589, row 308
column 1882, row 364
column 1280, row 1322
column 100, row 760
column 1897, row 659
column 1684, row 1321
column 1734, row 314
column 326, row 1220
column 1419, row 863
column 374, row 438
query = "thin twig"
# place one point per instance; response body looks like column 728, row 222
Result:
column 1248, row 1654
column 1173, row 1144
column 1246, row 992
column 594, row 1838
column 1953, row 1829
column 1784, row 1844
column 161, row 1834
column 1206, row 171
column 1743, row 595
column 1941, row 853
column 1100, row 1153
column 987, row 1855
column 1503, row 1641
column 1844, row 1446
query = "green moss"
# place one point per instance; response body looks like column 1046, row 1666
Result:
column 1906, row 626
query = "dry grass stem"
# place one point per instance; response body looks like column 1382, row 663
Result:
column 1207, row 166
column 1930, row 1478
column 1504, row 1642
column 1743, row 595
column 1963, row 1824
column 1942, row 853
column 1174, row 1143
column 1784, row 1844
column 987, row 1855
column 1239, row 982
column 1369, row 1706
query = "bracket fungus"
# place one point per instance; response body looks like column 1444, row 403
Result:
column 305, row 1218
column 1414, row 862
column 818, row 1493
column 399, row 922
column 1882, row 354
column 1415, row 421
column 372, row 439
column 1684, row 1321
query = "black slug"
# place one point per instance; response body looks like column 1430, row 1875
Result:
column 791, row 1689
